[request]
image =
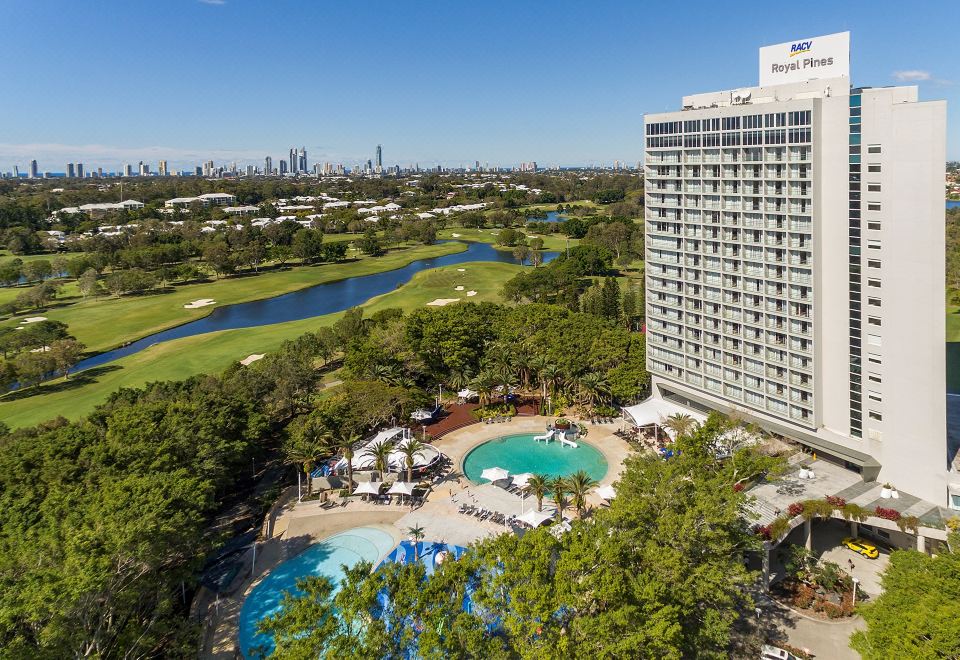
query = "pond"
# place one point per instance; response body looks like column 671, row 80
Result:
column 306, row 303
column 552, row 216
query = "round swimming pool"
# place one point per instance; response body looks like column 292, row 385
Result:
column 325, row 558
column 521, row 453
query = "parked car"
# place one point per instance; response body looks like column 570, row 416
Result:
column 776, row 653
column 861, row 547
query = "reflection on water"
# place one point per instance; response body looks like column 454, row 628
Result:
column 306, row 303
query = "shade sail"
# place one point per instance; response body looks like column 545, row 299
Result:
column 368, row 488
column 535, row 518
column 521, row 479
column 656, row 411
column 606, row 492
column 401, row 488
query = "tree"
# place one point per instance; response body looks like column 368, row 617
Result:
column 536, row 258
column 307, row 443
column 681, row 424
column 416, row 535
column 917, row 615
column 520, row 253
column 410, row 449
column 380, row 453
column 347, row 443
column 559, row 488
column 305, row 622
column 32, row 367
column 307, row 245
column 88, row 283
column 579, row 484
column 65, row 353
column 369, row 244
column 538, row 485
column 218, row 256
column 11, row 271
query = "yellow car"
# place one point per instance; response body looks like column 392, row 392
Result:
column 861, row 547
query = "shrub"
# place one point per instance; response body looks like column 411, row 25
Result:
column 908, row 522
column 854, row 511
column 836, row 502
column 779, row 528
column 738, row 487
column 887, row 514
column 795, row 509
column 817, row 509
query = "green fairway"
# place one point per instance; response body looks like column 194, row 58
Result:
column 213, row 352
column 105, row 322
column 953, row 323
column 550, row 241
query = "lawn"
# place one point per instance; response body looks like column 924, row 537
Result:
column 953, row 323
column 213, row 352
column 107, row 322
column 550, row 241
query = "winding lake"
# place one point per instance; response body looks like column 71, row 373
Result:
column 306, row 303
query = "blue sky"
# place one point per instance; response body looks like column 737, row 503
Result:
column 453, row 82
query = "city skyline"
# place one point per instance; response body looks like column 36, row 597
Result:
column 449, row 105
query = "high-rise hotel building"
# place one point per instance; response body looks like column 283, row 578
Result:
column 795, row 263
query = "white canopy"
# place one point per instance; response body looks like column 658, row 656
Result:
column 494, row 474
column 401, row 488
column 521, row 479
column 606, row 492
column 535, row 518
column 363, row 458
column 656, row 411
column 467, row 393
column 368, row 488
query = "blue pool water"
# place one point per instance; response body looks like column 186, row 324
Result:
column 325, row 558
column 953, row 204
column 521, row 453
column 432, row 553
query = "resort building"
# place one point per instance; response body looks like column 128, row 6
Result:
column 795, row 264
column 207, row 199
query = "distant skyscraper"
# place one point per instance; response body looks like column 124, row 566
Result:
column 16, row 171
column 71, row 171
column 379, row 156
column 293, row 160
column 80, row 170
column 128, row 169
column 283, row 167
column 34, row 169
column 250, row 170
column 163, row 168
column 302, row 165
column 143, row 169
column 268, row 166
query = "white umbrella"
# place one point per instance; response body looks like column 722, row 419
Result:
column 494, row 474
column 401, row 488
column 367, row 488
column 535, row 518
column 606, row 492
column 521, row 479
column 421, row 415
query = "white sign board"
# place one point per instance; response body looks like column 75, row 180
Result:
column 804, row 59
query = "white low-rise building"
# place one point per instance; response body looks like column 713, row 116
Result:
column 206, row 199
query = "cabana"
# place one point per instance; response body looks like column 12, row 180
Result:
column 535, row 518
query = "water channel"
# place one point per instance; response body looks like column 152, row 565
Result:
column 306, row 303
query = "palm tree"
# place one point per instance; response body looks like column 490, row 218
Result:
column 681, row 424
column 416, row 535
column 593, row 388
column 559, row 488
column 484, row 383
column 308, row 445
column 347, row 441
column 410, row 450
column 538, row 485
column 381, row 456
column 580, row 484
column 505, row 379
column 458, row 380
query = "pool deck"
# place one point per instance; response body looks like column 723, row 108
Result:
column 300, row 524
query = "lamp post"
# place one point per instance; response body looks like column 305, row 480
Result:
column 856, row 583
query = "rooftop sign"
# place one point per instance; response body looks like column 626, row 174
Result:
column 804, row 59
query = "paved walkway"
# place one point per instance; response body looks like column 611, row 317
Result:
column 301, row 524
column 829, row 640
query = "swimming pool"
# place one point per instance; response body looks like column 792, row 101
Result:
column 324, row 558
column 521, row 453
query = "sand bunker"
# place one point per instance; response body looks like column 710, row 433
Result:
column 440, row 302
column 203, row 302
column 33, row 319
column 458, row 288
column 253, row 357
column 461, row 270
column 455, row 235
column 471, row 294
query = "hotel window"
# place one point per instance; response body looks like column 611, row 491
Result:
column 873, row 320
column 875, row 283
column 875, row 378
column 873, row 263
column 875, row 396
column 873, row 206
column 874, row 340
column 873, row 358
column 873, row 167
column 875, row 226
column 873, row 149
column 873, row 301
column 874, row 415
column 873, row 187
column 873, row 244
